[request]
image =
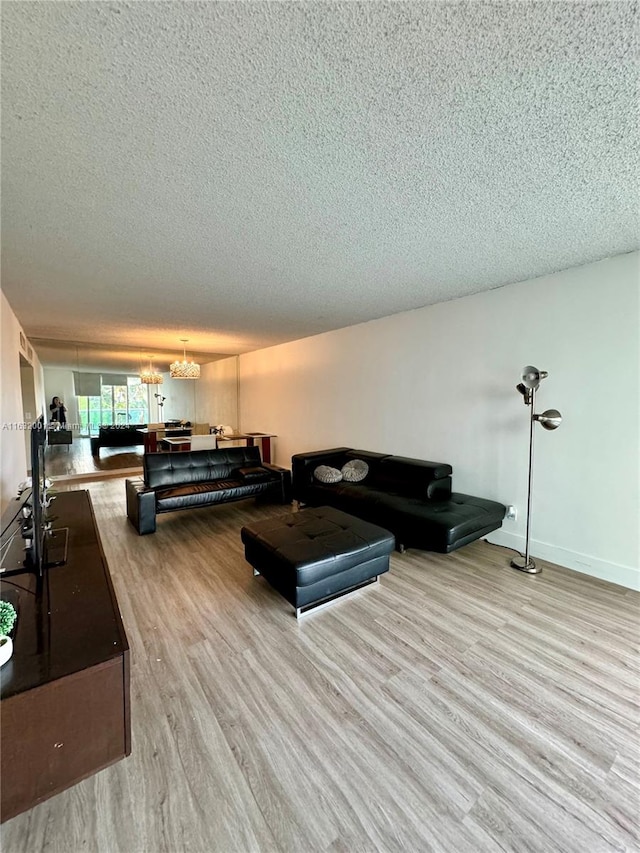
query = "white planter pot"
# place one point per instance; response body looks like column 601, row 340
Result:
column 6, row 649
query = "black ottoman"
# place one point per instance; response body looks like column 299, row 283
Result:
column 317, row 554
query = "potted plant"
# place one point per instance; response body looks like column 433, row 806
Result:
column 8, row 617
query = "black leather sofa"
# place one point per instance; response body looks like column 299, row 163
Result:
column 174, row 481
column 127, row 435
column 117, row 435
column 410, row 497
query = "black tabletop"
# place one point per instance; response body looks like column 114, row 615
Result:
column 69, row 619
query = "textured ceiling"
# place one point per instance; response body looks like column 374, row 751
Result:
column 96, row 357
column 247, row 173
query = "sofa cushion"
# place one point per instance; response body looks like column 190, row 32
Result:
column 164, row 470
column 255, row 474
column 203, row 494
column 327, row 474
column 355, row 470
column 409, row 476
column 344, row 496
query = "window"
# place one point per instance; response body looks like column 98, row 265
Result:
column 117, row 404
column 138, row 400
column 89, row 414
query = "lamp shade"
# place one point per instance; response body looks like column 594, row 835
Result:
column 549, row 419
column 527, row 393
column 148, row 377
column 531, row 376
column 184, row 369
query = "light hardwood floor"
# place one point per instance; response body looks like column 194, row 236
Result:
column 457, row 706
column 75, row 459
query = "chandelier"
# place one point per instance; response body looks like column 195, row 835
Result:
column 150, row 376
column 184, row 369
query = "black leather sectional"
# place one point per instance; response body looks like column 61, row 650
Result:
column 410, row 497
column 174, row 481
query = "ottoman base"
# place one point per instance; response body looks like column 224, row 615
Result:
column 325, row 602
column 315, row 556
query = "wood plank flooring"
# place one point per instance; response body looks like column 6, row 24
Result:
column 76, row 459
column 457, row 706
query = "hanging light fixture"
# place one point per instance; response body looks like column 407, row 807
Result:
column 184, row 369
column 550, row 419
column 150, row 376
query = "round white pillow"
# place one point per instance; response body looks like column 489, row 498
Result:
column 355, row 471
column 326, row 474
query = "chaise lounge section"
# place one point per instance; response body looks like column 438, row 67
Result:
column 410, row 497
column 175, row 481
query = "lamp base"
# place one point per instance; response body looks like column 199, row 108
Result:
column 522, row 565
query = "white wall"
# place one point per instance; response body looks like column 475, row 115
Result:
column 180, row 402
column 13, row 455
column 211, row 399
column 58, row 382
column 439, row 383
column 218, row 394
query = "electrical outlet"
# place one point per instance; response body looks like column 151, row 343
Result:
column 512, row 513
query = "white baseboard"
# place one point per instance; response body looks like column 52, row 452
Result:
column 612, row 572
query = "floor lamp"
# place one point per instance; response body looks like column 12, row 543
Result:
column 550, row 419
column 160, row 401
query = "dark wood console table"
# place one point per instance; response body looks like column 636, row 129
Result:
column 153, row 435
column 64, row 713
column 251, row 437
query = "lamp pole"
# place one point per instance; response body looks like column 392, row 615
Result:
column 549, row 420
column 160, row 401
column 524, row 563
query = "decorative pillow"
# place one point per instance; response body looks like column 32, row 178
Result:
column 254, row 475
column 354, row 471
column 326, row 474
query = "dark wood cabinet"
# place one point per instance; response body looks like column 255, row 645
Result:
column 65, row 704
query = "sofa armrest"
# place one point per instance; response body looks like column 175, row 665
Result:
column 285, row 480
column 439, row 490
column 304, row 464
column 95, row 445
column 255, row 474
column 141, row 506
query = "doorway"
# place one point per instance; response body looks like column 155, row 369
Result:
column 29, row 406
